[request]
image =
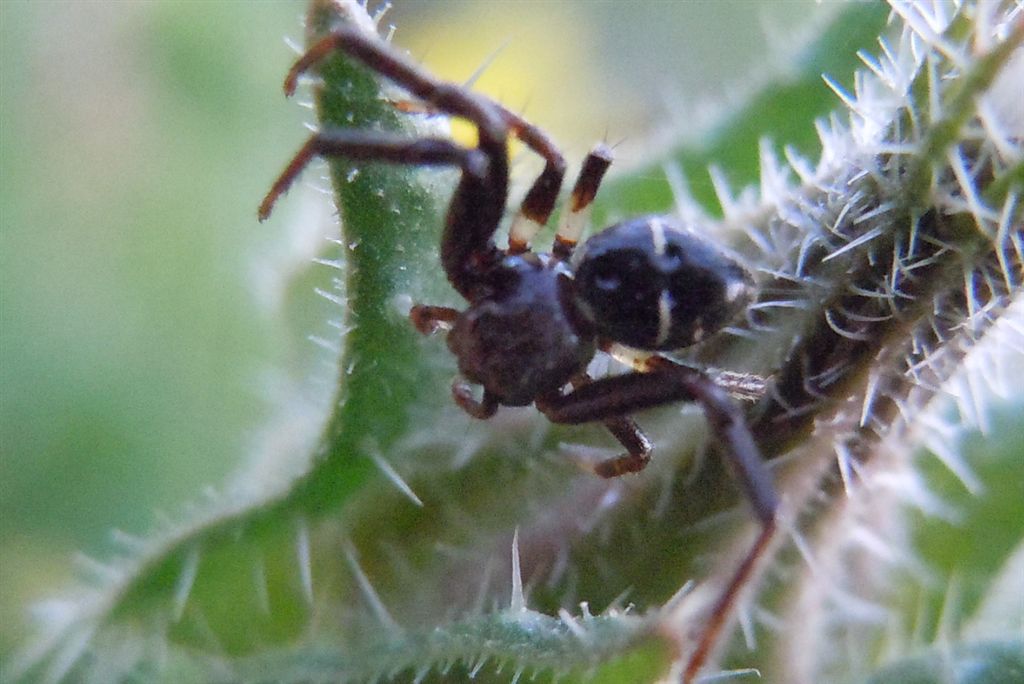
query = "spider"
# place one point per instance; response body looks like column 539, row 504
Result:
column 535, row 321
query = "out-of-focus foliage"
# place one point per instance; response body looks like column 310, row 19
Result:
column 150, row 328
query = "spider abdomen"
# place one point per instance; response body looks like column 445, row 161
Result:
column 652, row 284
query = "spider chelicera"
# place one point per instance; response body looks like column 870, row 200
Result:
column 536, row 320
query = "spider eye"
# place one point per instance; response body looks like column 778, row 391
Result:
column 606, row 279
column 674, row 256
column 650, row 284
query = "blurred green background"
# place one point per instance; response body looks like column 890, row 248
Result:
column 139, row 350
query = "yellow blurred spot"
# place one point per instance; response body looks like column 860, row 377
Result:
column 540, row 69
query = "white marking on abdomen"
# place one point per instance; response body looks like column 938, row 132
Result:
column 664, row 317
column 658, row 236
column 733, row 292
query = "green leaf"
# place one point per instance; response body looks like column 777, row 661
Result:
column 388, row 553
column 961, row 562
column 989, row 662
column 480, row 648
column 782, row 110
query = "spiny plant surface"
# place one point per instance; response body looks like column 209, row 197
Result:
column 408, row 542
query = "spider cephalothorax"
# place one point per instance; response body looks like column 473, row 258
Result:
column 534, row 321
column 525, row 337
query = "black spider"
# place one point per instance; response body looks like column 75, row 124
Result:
column 535, row 320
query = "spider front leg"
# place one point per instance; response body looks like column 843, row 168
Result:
column 494, row 123
column 359, row 145
column 479, row 200
column 475, row 208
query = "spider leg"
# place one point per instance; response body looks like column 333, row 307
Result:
column 666, row 382
column 474, row 211
column 638, row 449
column 574, row 219
column 479, row 200
column 377, row 55
column 629, row 435
column 722, row 608
column 539, row 201
column 493, row 120
column 429, row 319
column 463, row 396
column 661, row 382
column 367, row 145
